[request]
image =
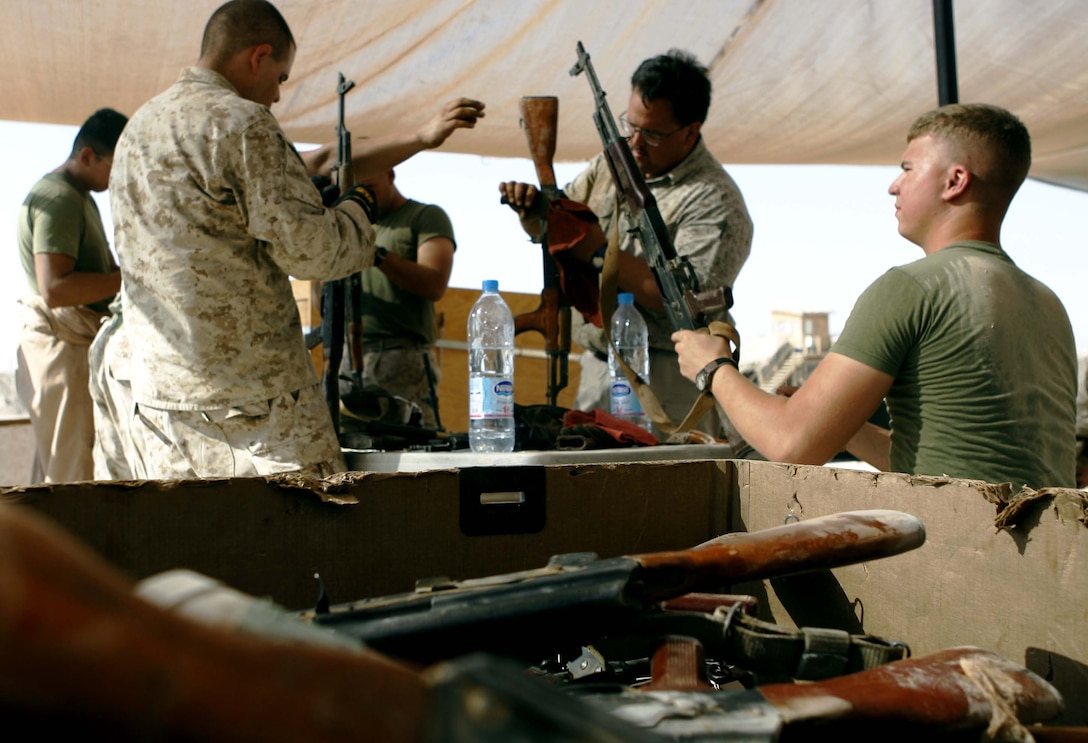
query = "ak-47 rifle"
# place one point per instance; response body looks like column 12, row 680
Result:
column 578, row 598
column 334, row 293
column 345, row 179
column 551, row 318
column 684, row 303
column 959, row 694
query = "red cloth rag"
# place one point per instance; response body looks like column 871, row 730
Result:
column 622, row 431
column 569, row 223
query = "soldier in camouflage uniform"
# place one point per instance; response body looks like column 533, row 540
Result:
column 214, row 210
column 702, row 208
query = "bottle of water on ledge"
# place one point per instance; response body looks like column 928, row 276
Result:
column 491, row 372
column 631, row 337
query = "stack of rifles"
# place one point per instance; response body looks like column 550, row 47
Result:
column 646, row 648
column 649, row 647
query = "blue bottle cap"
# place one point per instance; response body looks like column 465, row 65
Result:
column 625, row 298
column 491, row 285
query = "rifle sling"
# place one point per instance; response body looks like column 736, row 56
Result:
column 806, row 654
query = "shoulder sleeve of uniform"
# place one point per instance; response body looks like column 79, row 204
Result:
column 434, row 222
column 56, row 220
column 886, row 322
column 283, row 208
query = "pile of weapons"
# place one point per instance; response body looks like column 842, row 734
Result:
column 630, row 648
column 639, row 648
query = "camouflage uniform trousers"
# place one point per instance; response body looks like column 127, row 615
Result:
column 290, row 433
column 401, row 372
column 115, row 454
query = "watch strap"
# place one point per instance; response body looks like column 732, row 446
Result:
column 713, row 366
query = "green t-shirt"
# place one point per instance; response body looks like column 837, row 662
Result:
column 389, row 311
column 984, row 363
column 58, row 218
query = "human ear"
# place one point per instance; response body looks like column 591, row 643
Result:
column 258, row 55
column 957, row 181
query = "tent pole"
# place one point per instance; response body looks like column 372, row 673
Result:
column 945, row 42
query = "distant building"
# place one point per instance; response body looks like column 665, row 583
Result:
column 803, row 339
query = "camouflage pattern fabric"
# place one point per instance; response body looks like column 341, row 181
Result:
column 214, row 212
column 400, row 372
column 290, row 433
column 115, row 454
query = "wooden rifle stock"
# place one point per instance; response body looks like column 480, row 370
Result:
column 964, row 688
column 802, row 546
column 551, row 318
column 540, row 117
column 959, row 694
column 962, row 694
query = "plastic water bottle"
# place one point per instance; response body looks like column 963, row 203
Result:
column 491, row 372
column 630, row 336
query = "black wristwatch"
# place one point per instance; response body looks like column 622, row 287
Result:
column 379, row 256
column 706, row 374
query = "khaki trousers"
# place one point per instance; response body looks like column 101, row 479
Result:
column 52, row 380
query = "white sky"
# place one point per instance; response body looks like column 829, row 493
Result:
column 822, row 233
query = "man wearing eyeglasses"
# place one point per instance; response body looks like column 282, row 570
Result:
column 699, row 202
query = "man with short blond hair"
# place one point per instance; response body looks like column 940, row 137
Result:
column 975, row 357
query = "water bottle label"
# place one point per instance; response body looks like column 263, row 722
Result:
column 625, row 403
column 490, row 397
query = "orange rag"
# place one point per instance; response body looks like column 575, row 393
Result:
column 569, row 223
column 622, row 431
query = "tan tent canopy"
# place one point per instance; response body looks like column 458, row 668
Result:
column 795, row 81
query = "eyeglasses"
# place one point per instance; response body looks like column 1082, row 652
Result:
column 652, row 139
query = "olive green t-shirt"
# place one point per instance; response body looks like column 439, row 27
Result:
column 389, row 311
column 985, row 367
column 58, row 218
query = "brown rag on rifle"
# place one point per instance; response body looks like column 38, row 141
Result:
column 569, row 223
column 624, row 432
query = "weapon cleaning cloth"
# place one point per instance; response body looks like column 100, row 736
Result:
column 570, row 224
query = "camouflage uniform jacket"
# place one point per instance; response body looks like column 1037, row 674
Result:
column 214, row 213
column 705, row 214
